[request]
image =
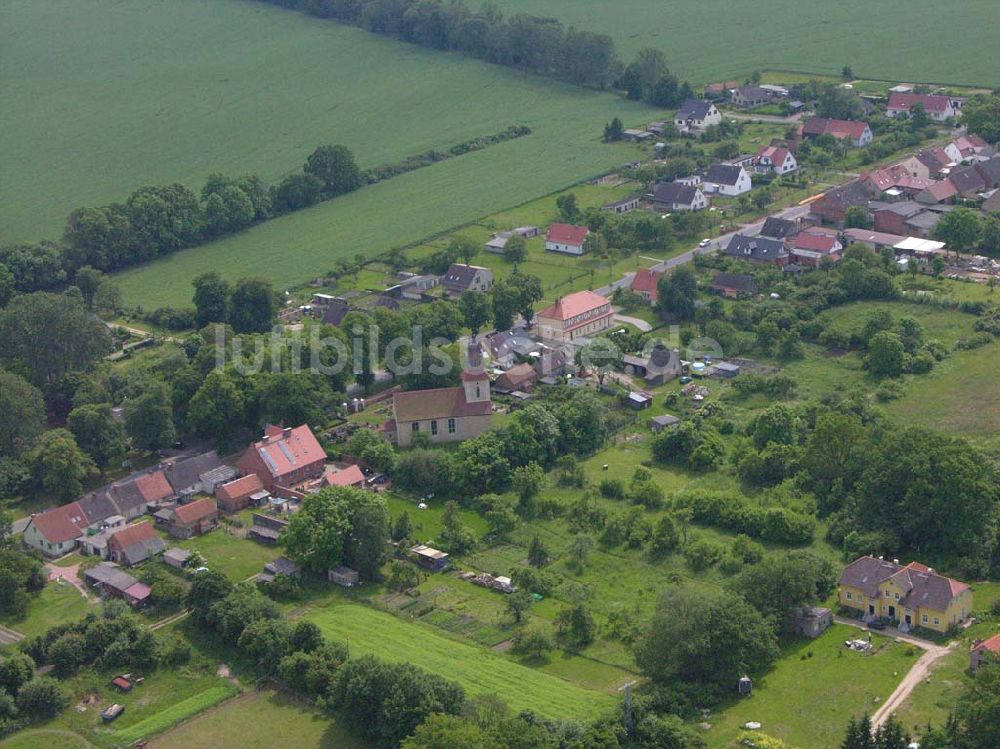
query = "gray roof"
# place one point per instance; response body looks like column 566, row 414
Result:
column 220, row 475
column 671, row 192
column 459, row 277
column 779, row 228
column 282, row 566
column 853, row 193
column 866, row 573
column 723, row 174
column 905, row 208
column 98, row 506
column 738, row 281
column 693, row 109
column 177, row 554
column 967, row 179
column 763, row 249
column 925, row 589
column 665, row 420
column 726, row 366
column 990, row 171
column 926, row 220
column 335, row 311
column 110, row 575
column 143, row 550
column 186, row 473
column 128, row 497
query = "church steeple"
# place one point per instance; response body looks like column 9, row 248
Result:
column 474, row 378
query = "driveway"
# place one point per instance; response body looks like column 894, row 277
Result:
column 70, row 575
column 642, row 325
column 919, row 671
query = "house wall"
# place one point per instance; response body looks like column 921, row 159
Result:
column 569, row 249
column 855, row 598
column 466, row 427
column 554, row 330
column 32, row 537
column 890, row 223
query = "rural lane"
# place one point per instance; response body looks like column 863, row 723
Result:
column 919, row 671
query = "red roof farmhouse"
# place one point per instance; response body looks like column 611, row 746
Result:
column 284, row 457
column 938, row 108
column 55, row 532
column 566, row 238
column 857, row 132
column 577, row 315
column 235, row 495
column 646, row 284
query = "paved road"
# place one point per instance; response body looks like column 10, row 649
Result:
column 919, row 671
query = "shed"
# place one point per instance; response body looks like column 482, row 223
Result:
column 122, row 684
column 659, row 423
column 812, row 621
column 345, row 577
column 640, row 400
column 429, row 557
column 176, row 557
column 725, row 370
column 745, row 686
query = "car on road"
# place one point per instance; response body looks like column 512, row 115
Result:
column 705, row 243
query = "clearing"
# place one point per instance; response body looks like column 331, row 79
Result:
column 809, row 695
column 479, row 670
column 275, row 719
column 812, row 36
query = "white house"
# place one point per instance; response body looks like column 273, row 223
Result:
column 695, row 115
column 581, row 314
column 938, row 108
column 672, row 196
column 776, row 160
column 566, row 238
column 727, row 179
column 56, row 532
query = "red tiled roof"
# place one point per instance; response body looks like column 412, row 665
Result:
column 61, row 524
column 197, row 510
column 567, row 234
column 647, row 281
column 837, row 128
column 573, row 305
column 133, row 534
column 931, row 102
column 813, row 242
column 345, row 477
column 138, row 591
column 282, row 455
column 992, row 644
column 941, row 190
column 776, row 154
column 240, row 488
column 154, row 486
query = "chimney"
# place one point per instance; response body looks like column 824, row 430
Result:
column 265, row 439
column 895, row 561
column 286, row 432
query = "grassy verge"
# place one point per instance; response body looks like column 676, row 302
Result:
column 176, row 713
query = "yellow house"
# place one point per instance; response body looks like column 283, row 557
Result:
column 910, row 596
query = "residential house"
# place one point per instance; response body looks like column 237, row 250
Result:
column 808, row 248
column 877, row 240
column 577, row 315
column 856, row 132
column 910, row 596
column 992, row 203
column 185, row 475
column 938, row 192
column 351, row 475
column 646, row 284
column 660, row 366
column 443, row 414
column 55, row 532
column 520, row 377
column 938, row 108
column 757, row 249
column 727, row 179
column 625, row 205
column 831, row 207
column 775, row 160
column 284, row 457
column 751, row 96
column 194, row 519
column 695, row 115
column 971, row 180
column 673, row 196
column 553, row 362
column 733, row 285
column 235, row 495
column 566, row 238
column 907, row 218
column 500, row 347
column 936, row 161
column 968, row 148
column 134, row 544
column 778, row 228
column 983, row 649
column 461, row 278
column 895, row 182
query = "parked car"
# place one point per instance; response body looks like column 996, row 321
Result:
column 705, row 243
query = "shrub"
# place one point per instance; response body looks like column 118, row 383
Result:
column 42, row 697
column 612, row 489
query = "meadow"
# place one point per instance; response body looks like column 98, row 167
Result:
column 478, row 669
column 716, row 39
column 277, row 720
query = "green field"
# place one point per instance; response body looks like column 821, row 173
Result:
column 807, row 701
column 237, row 558
column 276, row 720
column 55, row 604
column 714, row 39
column 477, row 669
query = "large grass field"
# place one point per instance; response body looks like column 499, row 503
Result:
column 57, row 603
column 810, row 694
column 276, row 720
column 713, row 39
column 478, row 669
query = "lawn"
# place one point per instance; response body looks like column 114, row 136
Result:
column 478, row 669
column 57, row 603
column 239, row 558
column 815, row 36
column 272, row 719
column 50, row 738
column 807, row 701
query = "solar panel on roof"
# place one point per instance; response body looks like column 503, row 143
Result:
column 288, row 454
column 269, row 460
